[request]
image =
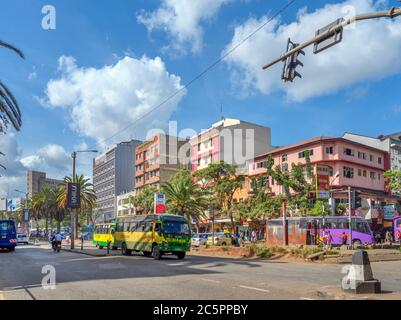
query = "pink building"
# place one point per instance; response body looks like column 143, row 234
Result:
column 352, row 164
column 230, row 140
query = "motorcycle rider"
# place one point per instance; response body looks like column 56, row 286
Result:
column 57, row 239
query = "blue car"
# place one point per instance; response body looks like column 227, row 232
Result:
column 8, row 235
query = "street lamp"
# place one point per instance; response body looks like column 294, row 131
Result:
column 74, row 210
column 25, row 205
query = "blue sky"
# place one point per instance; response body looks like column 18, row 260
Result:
column 101, row 33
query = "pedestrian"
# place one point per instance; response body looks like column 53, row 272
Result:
column 378, row 237
column 389, row 237
column 344, row 239
column 330, row 239
column 253, row 236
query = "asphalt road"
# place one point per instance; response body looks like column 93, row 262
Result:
column 136, row 277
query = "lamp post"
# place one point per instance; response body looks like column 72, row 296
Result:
column 74, row 211
column 25, row 206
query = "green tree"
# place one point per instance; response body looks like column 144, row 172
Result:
column 319, row 209
column 394, row 180
column 185, row 197
column 41, row 205
column 9, row 109
column 143, row 201
column 221, row 181
column 87, row 196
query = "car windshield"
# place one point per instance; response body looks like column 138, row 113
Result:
column 6, row 226
column 176, row 227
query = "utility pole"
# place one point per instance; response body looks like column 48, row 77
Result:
column 331, row 35
column 350, row 215
column 73, row 211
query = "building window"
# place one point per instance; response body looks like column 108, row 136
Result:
column 359, row 172
column 364, row 173
column 199, row 162
column 379, row 159
column 348, row 152
column 262, row 164
column 303, row 154
column 199, row 147
column 329, row 150
column 361, row 155
column 284, row 167
column 373, row 175
column 378, row 176
column 348, row 172
column 284, row 158
column 371, row 158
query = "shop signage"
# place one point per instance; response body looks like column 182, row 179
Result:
column 389, row 212
column 322, row 175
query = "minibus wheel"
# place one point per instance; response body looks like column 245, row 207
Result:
column 180, row 255
column 157, row 255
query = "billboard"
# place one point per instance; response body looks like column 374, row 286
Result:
column 322, row 175
column 160, row 203
column 73, row 195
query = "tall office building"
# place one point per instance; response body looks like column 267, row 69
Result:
column 113, row 175
column 36, row 181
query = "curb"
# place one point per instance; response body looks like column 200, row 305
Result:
column 86, row 254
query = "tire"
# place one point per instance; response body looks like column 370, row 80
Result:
column 156, row 253
column 12, row 249
column 124, row 250
column 224, row 244
column 357, row 242
column 181, row 255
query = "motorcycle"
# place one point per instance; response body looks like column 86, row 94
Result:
column 56, row 245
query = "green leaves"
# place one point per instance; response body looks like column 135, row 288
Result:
column 394, row 180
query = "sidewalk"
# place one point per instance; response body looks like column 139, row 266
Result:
column 336, row 293
column 375, row 255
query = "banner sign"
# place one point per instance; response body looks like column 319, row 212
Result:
column 73, row 195
column 26, row 215
column 389, row 212
column 322, row 174
column 160, row 203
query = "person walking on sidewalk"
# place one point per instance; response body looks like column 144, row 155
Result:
column 398, row 236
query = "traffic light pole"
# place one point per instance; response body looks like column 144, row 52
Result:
column 391, row 13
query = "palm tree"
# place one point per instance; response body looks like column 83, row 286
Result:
column 58, row 212
column 9, row 109
column 41, row 204
column 185, row 197
column 87, row 195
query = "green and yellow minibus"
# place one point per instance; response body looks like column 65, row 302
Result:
column 104, row 233
column 153, row 235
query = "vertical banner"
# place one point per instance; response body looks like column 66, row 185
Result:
column 160, row 203
column 73, row 195
column 322, row 174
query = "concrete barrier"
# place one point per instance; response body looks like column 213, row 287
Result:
column 359, row 276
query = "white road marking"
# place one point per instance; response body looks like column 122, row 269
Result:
column 304, row 298
column 256, row 289
column 93, row 258
column 210, row 280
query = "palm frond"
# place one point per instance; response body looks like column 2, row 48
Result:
column 11, row 47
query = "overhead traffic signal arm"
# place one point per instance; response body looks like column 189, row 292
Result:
column 391, row 13
column 291, row 63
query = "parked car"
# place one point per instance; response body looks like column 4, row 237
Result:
column 22, row 238
column 220, row 239
column 199, row 239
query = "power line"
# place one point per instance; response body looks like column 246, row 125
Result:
column 200, row 75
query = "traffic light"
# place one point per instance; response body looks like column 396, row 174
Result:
column 291, row 63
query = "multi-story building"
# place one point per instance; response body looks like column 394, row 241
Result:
column 389, row 143
column 113, row 173
column 158, row 159
column 351, row 164
column 229, row 140
column 36, row 181
column 124, row 205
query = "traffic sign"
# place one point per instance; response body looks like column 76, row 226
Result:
column 331, row 40
column 160, row 203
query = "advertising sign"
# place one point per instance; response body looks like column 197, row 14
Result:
column 389, row 212
column 322, row 174
column 160, row 203
column 26, row 215
column 73, row 195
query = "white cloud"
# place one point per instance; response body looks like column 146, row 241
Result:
column 14, row 177
column 369, row 51
column 182, row 20
column 51, row 158
column 104, row 101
